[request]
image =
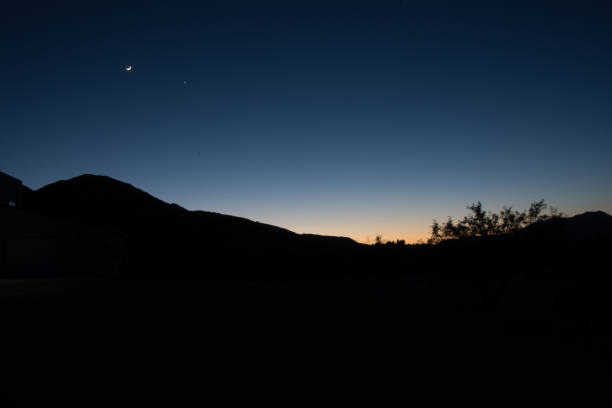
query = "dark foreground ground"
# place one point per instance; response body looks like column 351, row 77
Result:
column 518, row 342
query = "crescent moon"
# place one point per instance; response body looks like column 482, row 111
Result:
column 128, row 68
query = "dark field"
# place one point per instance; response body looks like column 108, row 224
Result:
column 505, row 342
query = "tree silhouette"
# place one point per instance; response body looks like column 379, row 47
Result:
column 480, row 223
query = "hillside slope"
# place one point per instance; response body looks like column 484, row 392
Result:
column 159, row 234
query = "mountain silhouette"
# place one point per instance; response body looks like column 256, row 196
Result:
column 103, row 201
column 103, row 221
column 588, row 226
column 166, row 233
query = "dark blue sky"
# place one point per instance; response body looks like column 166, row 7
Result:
column 347, row 118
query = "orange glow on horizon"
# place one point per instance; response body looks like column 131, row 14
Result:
column 412, row 231
column 416, row 237
column 412, row 239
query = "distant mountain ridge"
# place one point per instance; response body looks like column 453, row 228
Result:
column 106, row 202
column 96, row 223
column 590, row 225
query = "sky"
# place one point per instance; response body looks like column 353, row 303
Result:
column 352, row 118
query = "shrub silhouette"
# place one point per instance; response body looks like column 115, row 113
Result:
column 378, row 240
column 480, row 223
